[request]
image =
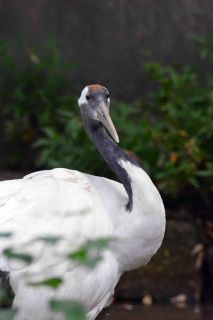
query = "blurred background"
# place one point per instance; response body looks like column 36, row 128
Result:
column 156, row 59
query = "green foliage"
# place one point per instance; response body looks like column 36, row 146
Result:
column 51, row 282
column 30, row 96
column 90, row 253
column 5, row 234
column 205, row 47
column 7, row 314
column 179, row 128
column 6, row 296
column 51, row 240
column 2, row 295
column 10, row 254
column 68, row 146
column 72, row 310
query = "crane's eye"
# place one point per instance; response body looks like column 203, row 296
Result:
column 88, row 97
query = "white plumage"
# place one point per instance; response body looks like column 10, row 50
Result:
column 76, row 207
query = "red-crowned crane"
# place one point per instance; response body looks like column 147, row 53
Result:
column 76, row 207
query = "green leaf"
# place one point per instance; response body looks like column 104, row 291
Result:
column 9, row 253
column 3, row 295
column 100, row 243
column 91, row 252
column 49, row 239
column 7, row 314
column 205, row 173
column 51, row 282
column 85, row 259
column 72, row 310
column 5, row 234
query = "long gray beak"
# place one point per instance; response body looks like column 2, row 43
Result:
column 104, row 117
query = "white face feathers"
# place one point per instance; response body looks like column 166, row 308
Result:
column 82, row 99
column 92, row 91
column 94, row 104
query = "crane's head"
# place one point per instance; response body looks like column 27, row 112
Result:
column 94, row 103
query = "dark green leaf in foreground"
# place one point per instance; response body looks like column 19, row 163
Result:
column 101, row 243
column 3, row 296
column 7, row 314
column 9, row 253
column 85, row 259
column 5, row 234
column 72, row 310
column 6, row 296
column 49, row 239
column 91, row 252
column 52, row 282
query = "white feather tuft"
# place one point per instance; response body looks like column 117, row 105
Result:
column 82, row 99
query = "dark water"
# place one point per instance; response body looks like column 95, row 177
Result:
column 138, row 312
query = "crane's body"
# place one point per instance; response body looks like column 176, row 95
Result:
column 77, row 207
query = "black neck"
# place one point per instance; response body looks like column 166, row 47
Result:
column 112, row 154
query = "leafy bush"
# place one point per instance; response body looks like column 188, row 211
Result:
column 69, row 146
column 30, row 97
column 181, row 130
